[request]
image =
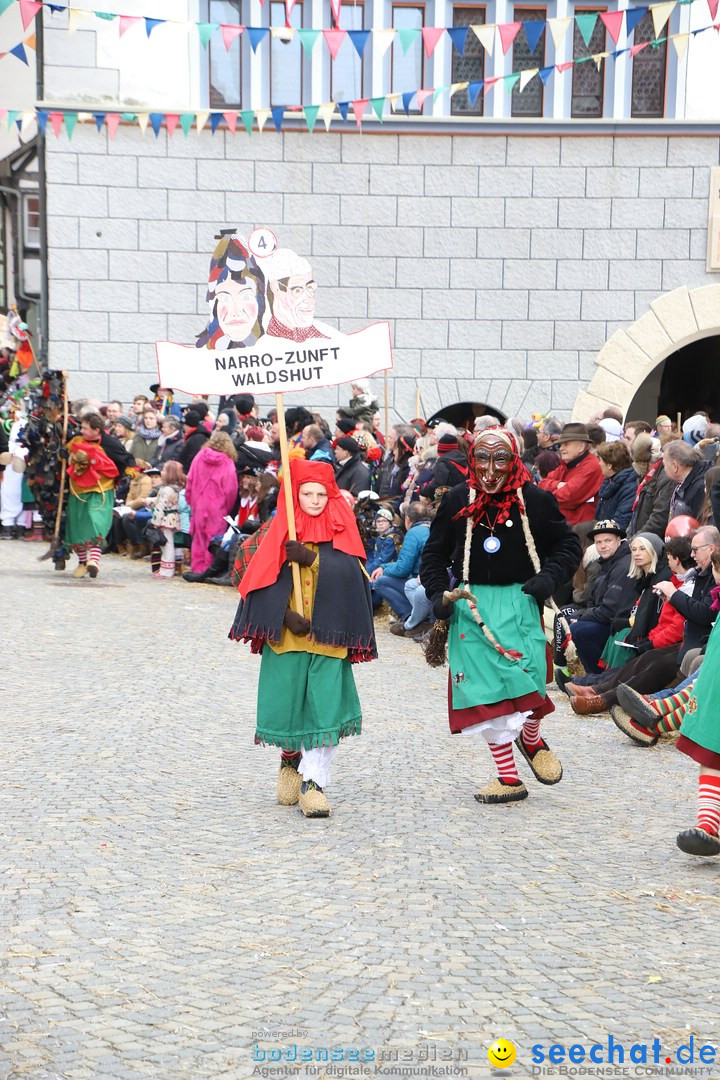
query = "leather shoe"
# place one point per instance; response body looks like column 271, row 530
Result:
column 398, row 628
column 585, row 705
column 574, row 690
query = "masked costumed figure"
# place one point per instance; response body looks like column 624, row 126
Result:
column 96, row 461
column 509, row 548
column 307, row 699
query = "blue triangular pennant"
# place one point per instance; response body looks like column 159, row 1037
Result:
column 256, row 35
column 473, row 90
column 406, row 99
column 99, row 120
column 57, row 8
column 277, row 114
column 359, row 39
column 545, row 74
column 343, row 106
column 156, row 119
column 215, row 119
column 633, row 17
column 19, row 51
column 42, row 116
column 533, row 32
column 458, row 36
column 150, row 24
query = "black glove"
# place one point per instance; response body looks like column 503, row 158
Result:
column 441, row 610
column 297, row 552
column 645, row 646
column 297, row 624
column 538, row 587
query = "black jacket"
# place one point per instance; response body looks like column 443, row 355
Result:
column 688, row 497
column 173, row 446
column 697, row 612
column 557, row 545
column 649, row 605
column 651, row 512
column 353, row 475
column 193, row 445
column 117, row 453
column 610, row 586
column 450, row 470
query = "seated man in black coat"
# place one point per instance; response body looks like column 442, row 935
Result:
column 591, row 628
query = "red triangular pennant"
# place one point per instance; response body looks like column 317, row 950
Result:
column 635, row 49
column 171, row 122
column 231, row 120
column 713, row 5
column 334, row 39
column 613, row 23
column 28, row 11
column 508, row 33
column 126, row 21
column 230, row 33
column 431, row 36
column 112, row 120
column 56, row 119
column 359, row 108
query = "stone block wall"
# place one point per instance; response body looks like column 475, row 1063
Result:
column 504, row 263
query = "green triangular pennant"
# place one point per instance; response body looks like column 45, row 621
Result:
column 586, row 25
column 206, row 31
column 248, row 116
column 511, row 80
column 187, row 119
column 308, row 39
column 407, row 38
column 5, row 4
column 311, row 112
column 70, row 122
column 12, row 116
column 109, row 15
column 378, row 104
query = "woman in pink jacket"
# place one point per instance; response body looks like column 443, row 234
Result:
column 211, row 491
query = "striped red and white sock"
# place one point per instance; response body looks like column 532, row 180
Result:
column 709, row 803
column 93, row 553
column 505, row 762
column 82, row 555
column 531, row 734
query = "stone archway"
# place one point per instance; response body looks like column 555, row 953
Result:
column 675, row 319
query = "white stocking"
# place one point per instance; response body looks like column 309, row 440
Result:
column 315, row 764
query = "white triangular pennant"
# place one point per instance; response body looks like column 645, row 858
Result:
column 262, row 116
column 527, row 76
column 327, row 111
column 680, row 41
column 660, row 15
column 143, row 120
column 382, row 40
column 485, row 35
column 558, row 29
column 201, row 120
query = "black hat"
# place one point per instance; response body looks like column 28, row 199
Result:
column 346, row 425
column 199, row 407
column 573, row 433
column 244, row 403
column 192, row 417
column 349, row 444
column 606, row 526
column 448, row 442
column 435, row 420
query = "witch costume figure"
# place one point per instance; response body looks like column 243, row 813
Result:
column 307, row 701
column 509, row 548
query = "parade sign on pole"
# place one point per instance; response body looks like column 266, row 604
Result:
column 262, row 337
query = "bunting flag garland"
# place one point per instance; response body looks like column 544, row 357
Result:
column 395, row 101
column 427, row 36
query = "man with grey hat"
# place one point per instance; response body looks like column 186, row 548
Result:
column 575, row 483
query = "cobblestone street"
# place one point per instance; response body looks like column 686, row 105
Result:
column 160, row 912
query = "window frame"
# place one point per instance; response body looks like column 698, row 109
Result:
column 663, row 115
column 420, row 5
column 355, row 4
column 482, row 7
column 587, row 10
column 216, row 107
column 544, row 37
column 29, row 243
column 299, row 4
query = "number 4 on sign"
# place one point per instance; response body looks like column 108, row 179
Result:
column 262, row 242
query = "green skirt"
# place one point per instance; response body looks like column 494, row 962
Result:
column 480, row 675
column 89, row 517
column 701, row 723
column 614, row 655
column 305, row 700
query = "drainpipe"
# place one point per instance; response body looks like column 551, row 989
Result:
column 42, row 184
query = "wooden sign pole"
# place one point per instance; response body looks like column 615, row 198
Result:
column 387, row 407
column 296, row 598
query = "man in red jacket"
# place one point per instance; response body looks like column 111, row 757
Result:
column 576, row 482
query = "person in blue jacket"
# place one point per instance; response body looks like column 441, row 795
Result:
column 388, row 579
column 619, row 488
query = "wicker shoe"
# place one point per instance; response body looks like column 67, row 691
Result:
column 80, row 570
column 288, row 781
column 542, row 761
column 629, row 727
column 638, row 705
column 312, row 800
column 500, row 792
column 698, row 842
column 93, row 568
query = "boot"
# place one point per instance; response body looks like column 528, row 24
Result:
column 36, row 533
column 6, row 532
column 223, row 580
column 190, row 576
column 141, row 550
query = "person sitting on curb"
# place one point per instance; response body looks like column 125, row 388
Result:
column 388, row 580
column 656, row 668
column 590, row 628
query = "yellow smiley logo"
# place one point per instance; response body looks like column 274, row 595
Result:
column 501, row 1054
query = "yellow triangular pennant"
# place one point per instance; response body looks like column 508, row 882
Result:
column 143, row 120
column 558, row 29
column 485, row 35
column 262, row 116
column 77, row 17
column 201, row 120
column 283, row 33
column 526, row 77
column 660, row 15
column 680, row 41
column 327, row 111
column 382, row 40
